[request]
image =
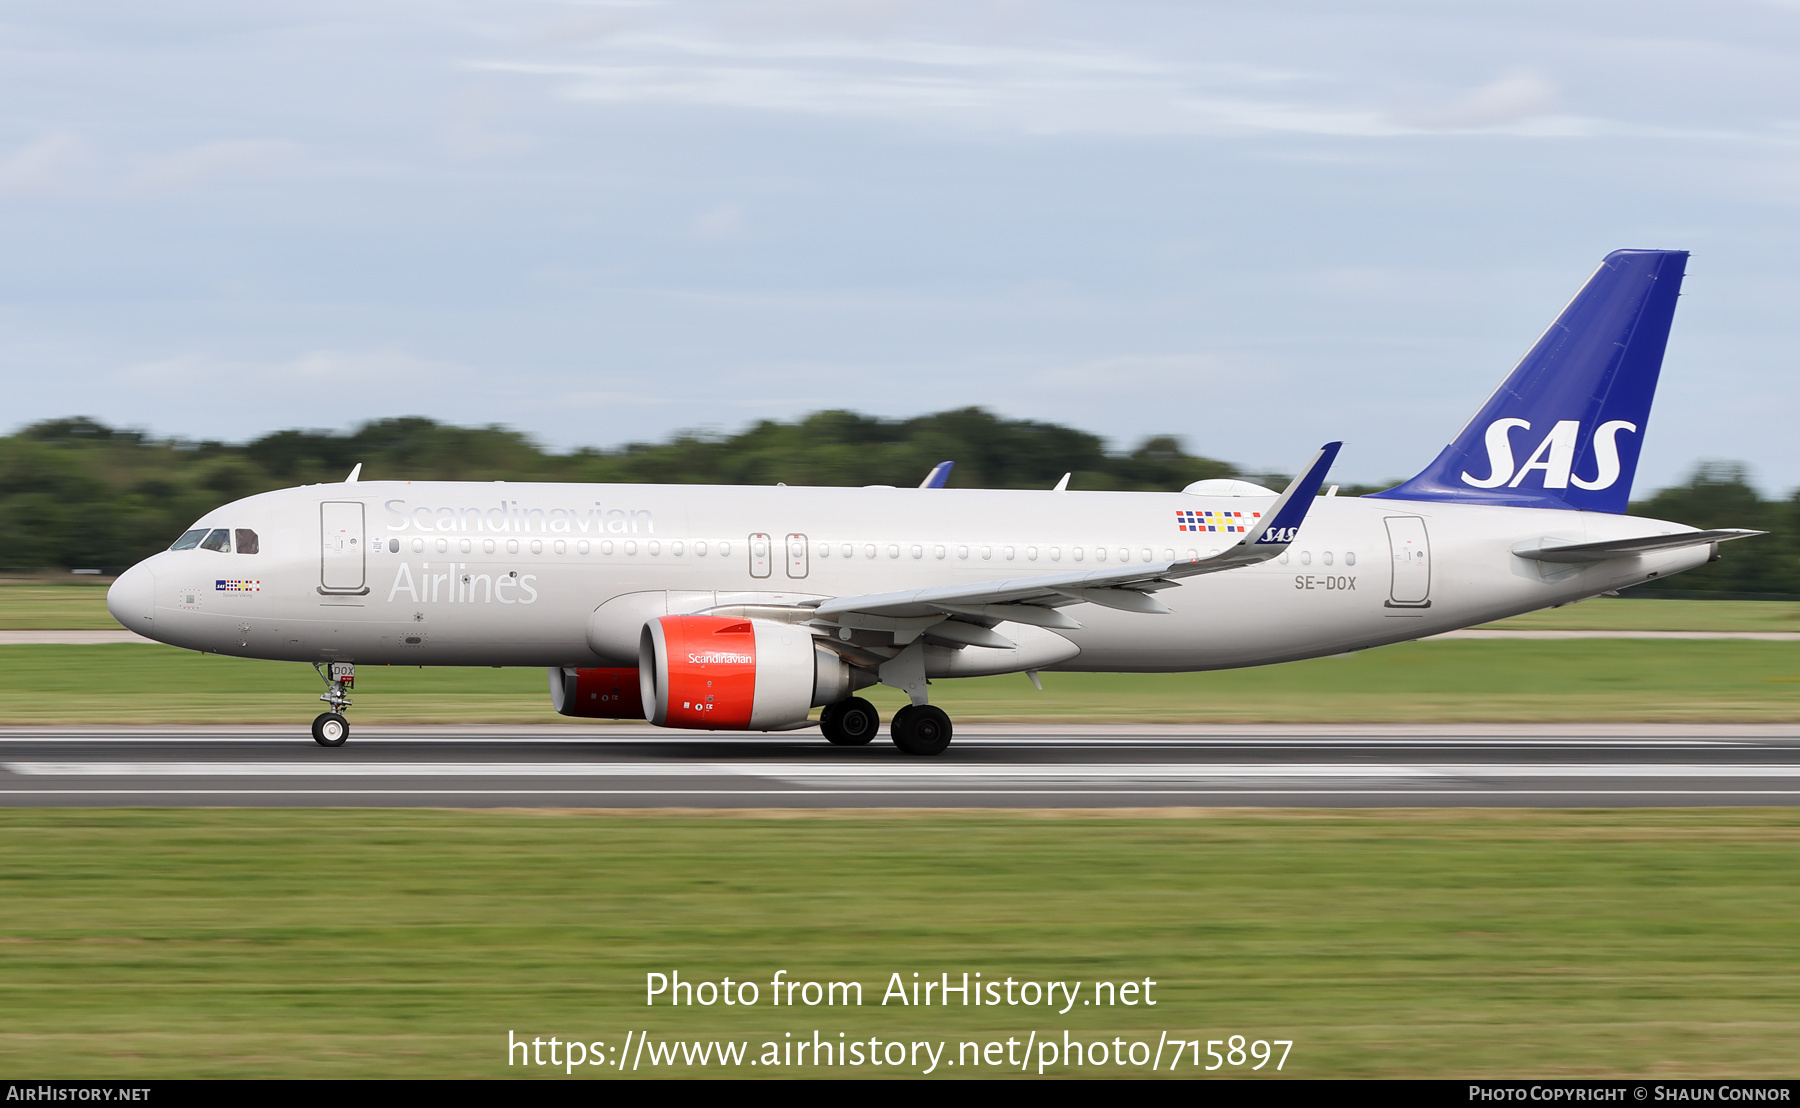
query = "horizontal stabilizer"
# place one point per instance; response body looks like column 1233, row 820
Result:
column 1557, row 550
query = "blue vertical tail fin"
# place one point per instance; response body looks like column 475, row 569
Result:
column 1565, row 428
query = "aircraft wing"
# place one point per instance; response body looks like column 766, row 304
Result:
column 1034, row 600
column 1555, row 550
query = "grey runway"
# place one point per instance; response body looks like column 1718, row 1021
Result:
column 993, row 765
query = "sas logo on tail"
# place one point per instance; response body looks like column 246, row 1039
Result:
column 1554, row 456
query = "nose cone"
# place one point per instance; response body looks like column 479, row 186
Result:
column 132, row 599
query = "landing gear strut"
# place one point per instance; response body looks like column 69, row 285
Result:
column 921, row 729
column 331, row 728
column 851, row 722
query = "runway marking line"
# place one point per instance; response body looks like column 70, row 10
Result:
column 801, row 771
column 900, row 792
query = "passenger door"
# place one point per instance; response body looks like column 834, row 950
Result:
column 1410, row 548
column 343, row 566
column 760, row 555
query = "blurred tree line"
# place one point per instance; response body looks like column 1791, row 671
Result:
column 75, row 492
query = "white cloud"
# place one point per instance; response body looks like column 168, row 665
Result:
column 327, row 374
column 1509, row 100
column 719, row 224
column 473, row 127
column 43, row 165
column 251, row 158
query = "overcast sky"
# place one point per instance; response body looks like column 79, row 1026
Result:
column 1257, row 226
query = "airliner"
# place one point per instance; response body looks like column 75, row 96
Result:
column 733, row 608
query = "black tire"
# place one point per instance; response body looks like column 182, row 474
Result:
column 921, row 729
column 331, row 729
column 852, row 722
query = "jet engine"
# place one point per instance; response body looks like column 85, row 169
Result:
column 596, row 693
column 730, row 674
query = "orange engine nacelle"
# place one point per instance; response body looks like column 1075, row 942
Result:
column 596, row 693
column 723, row 674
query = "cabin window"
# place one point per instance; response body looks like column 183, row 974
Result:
column 918, row 551
column 487, row 546
column 582, row 546
column 1326, row 557
column 560, row 546
column 1349, row 557
column 1099, row 553
column 219, row 540
column 962, row 552
column 1075, row 553
column 893, row 551
column 393, row 546
column 1031, row 553
column 1306, row 557
column 443, row 546
column 189, row 539
column 246, row 541
column 466, row 546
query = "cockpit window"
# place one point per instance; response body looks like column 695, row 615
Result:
column 246, row 541
column 219, row 540
column 190, row 539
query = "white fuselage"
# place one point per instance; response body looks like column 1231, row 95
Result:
column 522, row 574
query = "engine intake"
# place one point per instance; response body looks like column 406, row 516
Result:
column 596, row 693
column 725, row 674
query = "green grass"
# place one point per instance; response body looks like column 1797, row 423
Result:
column 1550, row 680
column 1632, row 614
column 54, row 607
column 407, row 944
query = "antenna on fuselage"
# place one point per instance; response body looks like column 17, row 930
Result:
column 355, row 472
column 1063, row 485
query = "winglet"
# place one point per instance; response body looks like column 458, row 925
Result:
column 938, row 477
column 1282, row 521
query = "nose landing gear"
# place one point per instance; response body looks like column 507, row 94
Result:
column 331, row 728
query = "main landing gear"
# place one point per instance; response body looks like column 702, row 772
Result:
column 921, row 729
column 852, row 722
column 917, row 728
column 331, row 728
